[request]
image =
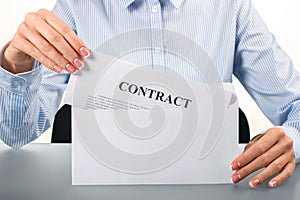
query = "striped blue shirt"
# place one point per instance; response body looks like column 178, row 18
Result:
column 230, row 31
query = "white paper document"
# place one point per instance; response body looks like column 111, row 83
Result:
column 134, row 125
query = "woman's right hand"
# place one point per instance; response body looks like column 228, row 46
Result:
column 45, row 38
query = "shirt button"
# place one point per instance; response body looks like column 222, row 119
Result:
column 154, row 9
column 15, row 83
column 157, row 50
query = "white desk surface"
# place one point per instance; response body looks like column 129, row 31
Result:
column 43, row 171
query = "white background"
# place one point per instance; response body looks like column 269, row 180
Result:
column 281, row 16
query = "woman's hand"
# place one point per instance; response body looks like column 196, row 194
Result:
column 272, row 151
column 45, row 38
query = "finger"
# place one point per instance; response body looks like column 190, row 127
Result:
column 66, row 31
column 285, row 174
column 58, row 41
column 45, row 53
column 260, row 162
column 50, row 41
column 28, row 48
column 248, row 146
column 45, row 48
column 275, row 167
column 253, row 140
column 258, row 148
column 257, row 137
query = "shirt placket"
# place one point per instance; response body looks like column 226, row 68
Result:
column 157, row 48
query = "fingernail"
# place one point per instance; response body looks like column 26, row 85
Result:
column 78, row 63
column 84, row 52
column 235, row 178
column 76, row 71
column 273, row 184
column 235, row 166
column 71, row 69
column 231, row 180
column 57, row 69
column 254, row 183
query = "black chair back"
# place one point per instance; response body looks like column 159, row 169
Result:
column 61, row 132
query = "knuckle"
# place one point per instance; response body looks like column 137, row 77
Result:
column 279, row 179
column 289, row 142
column 21, row 34
column 36, row 54
column 291, row 154
column 14, row 45
column 288, row 170
column 289, row 173
column 247, row 146
column 42, row 11
column 277, row 166
column 264, row 159
column 70, row 55
column 21, row 28
column 260, row 148
column 66, row 30
column 45, row 46
column 55, row 38
column 49, row 64
column 244, row 173
column 15, row 42
column 61, row 62
column 29, row 16
column 279, row 131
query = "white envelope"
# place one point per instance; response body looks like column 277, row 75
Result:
column 135, row 125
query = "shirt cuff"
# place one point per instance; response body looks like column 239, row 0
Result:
column 17, row 82
column 294, row 135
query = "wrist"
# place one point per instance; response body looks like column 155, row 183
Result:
column 18, row 63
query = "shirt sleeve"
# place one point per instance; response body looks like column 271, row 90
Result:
column 267, row 72
column 30, row 100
